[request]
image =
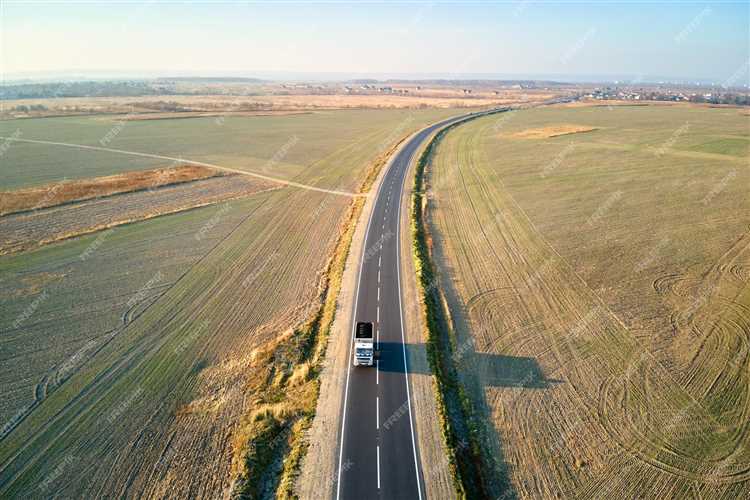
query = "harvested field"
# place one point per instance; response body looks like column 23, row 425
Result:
column 65, row 192
column 24, row 231
column 552, row 131
column 601, row 302
column 127, row 355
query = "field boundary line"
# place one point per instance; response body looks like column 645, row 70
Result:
column 190, row 162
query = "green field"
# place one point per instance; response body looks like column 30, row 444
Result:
column 124, row 373
column 282, row 146
column 599, row 288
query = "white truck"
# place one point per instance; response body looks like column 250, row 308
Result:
column 364, row 344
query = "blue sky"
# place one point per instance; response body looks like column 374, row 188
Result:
column 634, row 39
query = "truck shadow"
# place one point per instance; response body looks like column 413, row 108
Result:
column 494, row 370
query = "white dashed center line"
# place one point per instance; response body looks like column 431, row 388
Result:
column 377, row 412
column 378, row 452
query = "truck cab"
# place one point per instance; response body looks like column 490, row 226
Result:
column 364, row 344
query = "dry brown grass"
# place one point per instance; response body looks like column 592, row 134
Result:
column 553, row 131
column 49, row 195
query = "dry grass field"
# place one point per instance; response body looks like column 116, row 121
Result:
column 58, row 193
column 599, row 289
column 275, row 100
column 133, row 360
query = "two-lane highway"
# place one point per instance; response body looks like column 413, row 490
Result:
column 378, row 455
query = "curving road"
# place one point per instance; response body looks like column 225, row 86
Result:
column 378, row 456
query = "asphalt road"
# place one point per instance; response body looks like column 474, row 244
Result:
column 378, row 456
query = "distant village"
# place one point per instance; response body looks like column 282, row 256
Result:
column 370, row 88
column 710, row 95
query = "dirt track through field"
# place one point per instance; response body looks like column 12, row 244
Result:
column 577, row 406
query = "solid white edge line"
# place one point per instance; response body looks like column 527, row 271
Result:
column 351, row 339
column 403, row 339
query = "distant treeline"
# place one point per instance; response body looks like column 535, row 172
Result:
column 130, row 88
column 82, row 89
column 736, row 99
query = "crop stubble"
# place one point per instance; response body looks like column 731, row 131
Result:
column 604, row 300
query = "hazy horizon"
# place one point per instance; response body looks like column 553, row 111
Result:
column 628, row 41
column 292, row 76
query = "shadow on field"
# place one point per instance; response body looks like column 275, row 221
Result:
column 494, row 370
